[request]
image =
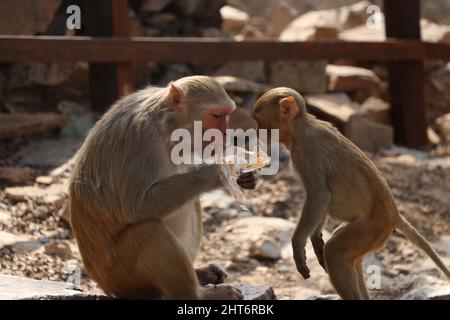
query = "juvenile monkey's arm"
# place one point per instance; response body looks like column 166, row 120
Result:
column 165, row 196
column 314, row 212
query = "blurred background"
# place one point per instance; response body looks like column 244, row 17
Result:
column 46, row 109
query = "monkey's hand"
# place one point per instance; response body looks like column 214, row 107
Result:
column 248, row 180
column 300, row 261
column 317, row 244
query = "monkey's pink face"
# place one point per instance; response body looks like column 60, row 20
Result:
column 216, row 118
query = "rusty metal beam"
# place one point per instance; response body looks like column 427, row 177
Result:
column 207, row 51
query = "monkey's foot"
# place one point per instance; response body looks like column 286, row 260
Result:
column 220, row 292
column 211, row 274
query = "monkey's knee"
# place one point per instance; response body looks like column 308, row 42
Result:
column 334, row 253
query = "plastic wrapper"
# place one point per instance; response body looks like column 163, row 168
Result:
column 237, row 161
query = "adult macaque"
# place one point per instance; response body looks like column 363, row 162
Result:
column 340, row 181
column 136, row 215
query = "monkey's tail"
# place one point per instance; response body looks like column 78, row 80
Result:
column 417, row 239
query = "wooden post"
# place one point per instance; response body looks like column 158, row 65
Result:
column 121, row 28
column 406, row 78
column 108, row 81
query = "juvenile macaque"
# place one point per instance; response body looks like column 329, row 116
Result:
column 135, row 214
column 340, row 181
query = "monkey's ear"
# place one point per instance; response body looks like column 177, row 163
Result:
column 288, row 108
column 176, row 97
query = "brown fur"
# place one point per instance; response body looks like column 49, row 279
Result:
column 136, row 215
column 340, row 181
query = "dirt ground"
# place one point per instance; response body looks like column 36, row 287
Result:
column 42, row 245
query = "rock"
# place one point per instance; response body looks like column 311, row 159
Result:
column 54, row 194
column 79, row 119
column 136, row 27
column 239, row 85
column 311, row 34
column 430, row 32
column 265, row 248
column 369, row 135
column 326, row 23
column 362, row 33
column 154, row 5
column 443, row 127
column 44, row 180
column 363, row 83
column 20, row 288
column 260, row 24
column 262, row 236
column 233, row 20
column 24, row 124
column 250, row 32
column 336, row 108
column 213, row 33
column 257, row 292
column 217, row 199
column 433, row 32
column 5, row 218
column 433, row 137
column 16, row 174
column 437, row 90
column 253, row 228
column 9, row 239
column 248, row 70
column 283, row 14
column 428, row 288
column 62, row 170
column 376, row 110
column 49, row 152
column 61, row 249
column 27, row 17
column 47, row 74
column 303, row 76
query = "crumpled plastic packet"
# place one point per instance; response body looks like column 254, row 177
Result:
column 236, row 161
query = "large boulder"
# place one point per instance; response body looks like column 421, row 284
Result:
column 351, row 120
column 336, row 108
column 376, row 110
column 326, row 23
column 233, row 20
column 303, row 76
column 47, row 74
column 20, row 288
column 27, row 17
column 369, row 135
column 282, row 16
column 248, row 70
column 430, row 31
column 23, row 124
column 359, row 82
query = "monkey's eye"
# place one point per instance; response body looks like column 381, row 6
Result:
column 217, row 115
